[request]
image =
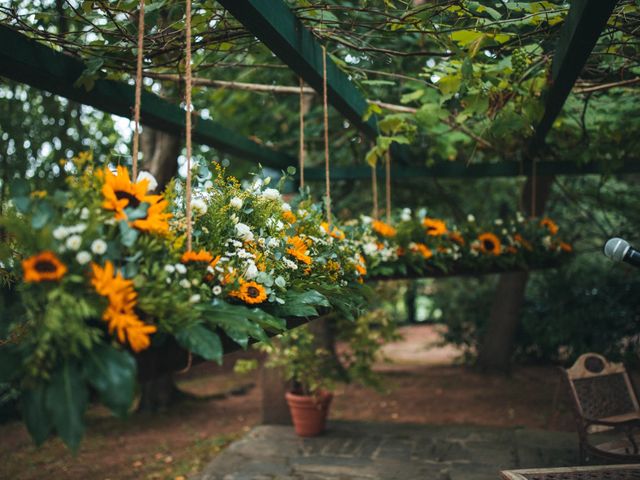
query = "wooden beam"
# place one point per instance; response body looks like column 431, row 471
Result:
column 481, row 170
column 25, row 60
column 584, row 23
column 283, row 33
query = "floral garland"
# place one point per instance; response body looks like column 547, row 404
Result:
column 419, row 244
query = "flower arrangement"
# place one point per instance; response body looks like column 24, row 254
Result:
column 421, row 244
column 100, row 274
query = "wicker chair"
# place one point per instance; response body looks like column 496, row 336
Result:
column 609, row 472
column 605, row 405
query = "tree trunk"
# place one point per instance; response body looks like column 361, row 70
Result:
column 160, row 152
column 496, row 348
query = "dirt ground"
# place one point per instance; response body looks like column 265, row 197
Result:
column 424, row 386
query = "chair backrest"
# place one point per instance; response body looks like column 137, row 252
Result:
column 601, row 389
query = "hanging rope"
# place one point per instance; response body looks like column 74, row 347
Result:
column 326, row 136
column 301, row 155
column 188, row 121
column 388, row 184
column 374, row 190
column 138, row 93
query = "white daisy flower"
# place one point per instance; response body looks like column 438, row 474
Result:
column 217, row 290
column 99, row 247
column 184, row 283
column 180, row 268
column 60, row 232
column 83, row 257
column 194, row 298
column 73, row 242
column 271, row 194
column 169, row 268
column 199, row 206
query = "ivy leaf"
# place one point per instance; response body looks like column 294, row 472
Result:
column 35, row 415
column 65, row 401
column 201, row 341
column 113, row 374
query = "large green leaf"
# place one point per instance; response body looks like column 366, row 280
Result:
column 35, row 415
column 201, row 341
column 66, row 400
column 113, row 374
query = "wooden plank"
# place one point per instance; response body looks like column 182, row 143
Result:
column 24, row 60
column 584, row 23
column 283, row 33
column 481, row 170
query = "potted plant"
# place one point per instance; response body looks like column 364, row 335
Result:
column 312, row 372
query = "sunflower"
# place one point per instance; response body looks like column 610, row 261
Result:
column 250, row 292
column 383, row 229
column 422, row 249
column 156, row 220
column 201, row 256
column 109, row 283
column 120, row 192
column 434, row 227
column 489, row 243
column 299, row 249
column 334, row 232
column 566, row 247
column 456, row 237
column 289, row 217
column 43, row 267
column 521, row 240
column 138, row 335
column 550, row 225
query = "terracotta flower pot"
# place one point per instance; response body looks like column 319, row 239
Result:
column 309, row 413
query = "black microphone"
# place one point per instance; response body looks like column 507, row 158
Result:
column 619, row 250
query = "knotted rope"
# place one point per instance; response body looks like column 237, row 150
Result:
column 138, row 91
column 326, row 136
column 302, row 153
column 374, row 190
column 388, row 184
column 188, row 121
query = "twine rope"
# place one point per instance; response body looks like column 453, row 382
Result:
column 374, row 189
column 326, row 136
column 138, row 91
column 388, row 184
column 188, row 121
column 302, row 153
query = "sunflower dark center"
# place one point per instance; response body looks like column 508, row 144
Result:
column 488, row 245
column 431, row 229
column 45, row 266
column 253, row 292
column 133, row 200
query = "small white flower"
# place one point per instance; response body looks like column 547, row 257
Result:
column 208, row 184
column 244, row 232
column 546, row 241
column 194, row 298
column 251, row 272
column 180, row 268
column 302, row 213
column 153, row 183
column 83, row 257
column 290, row 264
column 471, row 218
column 99, row 247
column 73, row 242
column 257, row 184
column 60, row 232
column 236, row 202
column 272, row 243
column 370, row 248
column 184, row 283
column 79, row 228
column 110, row 221
column 210, row 269
column 199, row 206
column 405, row 216
column 234, row 218
column 84, row 213
column 498, row 221
column 286, row 207
column 519, row 217
column 217, row 290
column 195, row 282
column 169, row 268
column 366, row 219
column 279, row 226
column 271, row 194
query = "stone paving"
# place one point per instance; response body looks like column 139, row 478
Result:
column 368, row 451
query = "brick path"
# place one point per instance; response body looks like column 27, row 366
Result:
column 367, row 451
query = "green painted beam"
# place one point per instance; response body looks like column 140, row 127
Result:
column 24, row 60
column 273, row 23
column 482, row 170
column 584, row 23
